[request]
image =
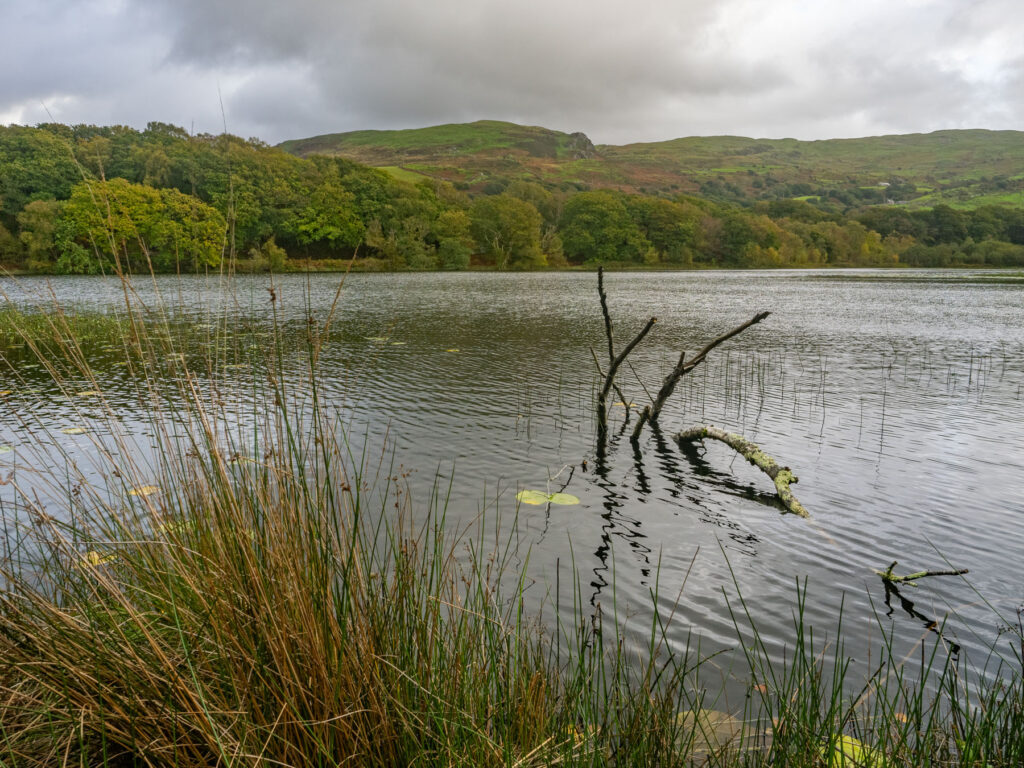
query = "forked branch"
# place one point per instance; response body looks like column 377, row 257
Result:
column 683, row 367
column 617, row 361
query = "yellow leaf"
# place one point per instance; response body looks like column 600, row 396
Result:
column 563, row 498
column 447, row 350
column 88, row 393
column 94, row 559
column 624, row 405
column 532, row 497
column 184, row 525
column 144, row 490
column 4, row 392
column 74, row 431
column 537, row 497
column 848, row 752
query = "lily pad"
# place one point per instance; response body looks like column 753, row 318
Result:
column 94, row 559
column 848, row 752
column 537, row 498
column 565, row 499
column 144, row 490
column 172, row 528
column 74, row 430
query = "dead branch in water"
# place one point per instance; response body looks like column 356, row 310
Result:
column 683, row 367
column 614, row 362
column 783, row 477
column 611, row 351
column 890, row 577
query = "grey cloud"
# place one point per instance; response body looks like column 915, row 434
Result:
column 621, row 72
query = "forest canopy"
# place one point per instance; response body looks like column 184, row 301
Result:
column 85, row 199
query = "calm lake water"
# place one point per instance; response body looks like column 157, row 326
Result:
column 896, row 397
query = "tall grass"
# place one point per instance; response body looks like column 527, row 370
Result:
column 261, row 596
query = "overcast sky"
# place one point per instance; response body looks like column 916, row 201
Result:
column 620, row 71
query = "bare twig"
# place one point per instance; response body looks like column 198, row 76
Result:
column 607, row 332
column 604, row 311
column 617, row 361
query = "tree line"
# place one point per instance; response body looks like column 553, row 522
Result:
column 87, row 199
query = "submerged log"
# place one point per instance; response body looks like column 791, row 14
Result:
column 783, row 477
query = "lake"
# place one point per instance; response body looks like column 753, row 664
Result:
column 896, row 397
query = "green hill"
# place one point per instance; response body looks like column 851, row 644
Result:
column 963, row 168
column 440, row 143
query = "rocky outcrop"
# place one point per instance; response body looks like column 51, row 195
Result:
column 580, row 147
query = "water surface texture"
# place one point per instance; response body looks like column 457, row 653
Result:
column 895, row 397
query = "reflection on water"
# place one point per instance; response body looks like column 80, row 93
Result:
column 897, row 403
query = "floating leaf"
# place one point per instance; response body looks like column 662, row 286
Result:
column 579, row 735
column 397, row 343
column 5, row 449
column 93, row 559
column 624, row 405
column 563, row 498
column 377, row 338
column 74, row 431
column 5, row 392
column 144, row 490
column 236, row 366
column 184, row 525
column 537, row 497
column 848, row 752
column 447, row 350
column 88, row 393
column 532, row 497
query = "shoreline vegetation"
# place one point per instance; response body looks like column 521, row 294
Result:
column 262, row 596
column 99, row 200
